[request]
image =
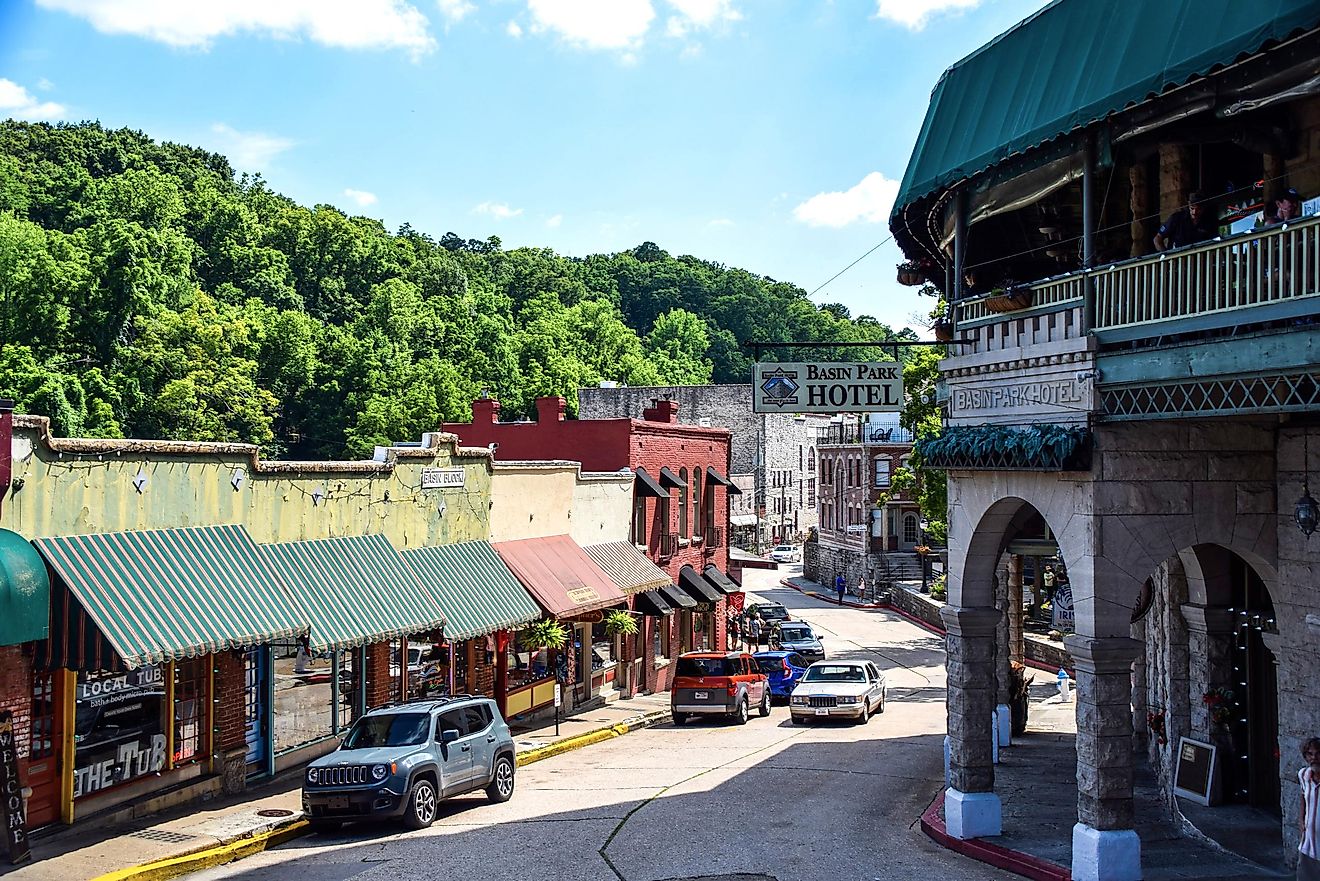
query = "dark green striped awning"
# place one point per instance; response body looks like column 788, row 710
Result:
column 477, row 591
column 356, row 589
column 165, row 594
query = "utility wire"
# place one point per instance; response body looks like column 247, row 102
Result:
column 851, row 265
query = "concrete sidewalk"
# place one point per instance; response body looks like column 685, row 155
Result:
column 191, row 838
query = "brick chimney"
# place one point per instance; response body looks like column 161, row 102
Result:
column 485, row 411
column 550, row 409
column 661, row 411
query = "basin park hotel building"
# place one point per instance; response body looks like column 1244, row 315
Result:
column 1151, row 418
column 179, row 618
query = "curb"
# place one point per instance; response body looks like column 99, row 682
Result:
column 232, row 851
column 992, row 854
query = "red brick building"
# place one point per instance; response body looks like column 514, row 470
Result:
column 680, row 507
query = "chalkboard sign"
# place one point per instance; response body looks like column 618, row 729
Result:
column 13, row 814
column 1195, row 775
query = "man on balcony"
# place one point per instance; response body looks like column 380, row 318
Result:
column 1186, row 226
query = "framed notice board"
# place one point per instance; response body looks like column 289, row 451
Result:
column 1194, row 774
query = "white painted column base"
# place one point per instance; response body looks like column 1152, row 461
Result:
column 973, row 814
column 994, row 738
column 1113, row 855
column 1004, row 725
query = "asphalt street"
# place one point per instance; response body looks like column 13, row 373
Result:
column 709, row 800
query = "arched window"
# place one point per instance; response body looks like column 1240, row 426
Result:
column 811, row 460
column 683, row 504
column 910, row 530
column 697, row 500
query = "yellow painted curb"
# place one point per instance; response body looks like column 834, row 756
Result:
column 208, row 857
column 569, row 744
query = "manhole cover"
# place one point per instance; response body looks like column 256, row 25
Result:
column 164, row 835
column 275, row 812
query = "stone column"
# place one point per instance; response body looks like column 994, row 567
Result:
column 1137, row 201
column 971, row 808
column 1017, row 646
column 1003, row 675
column 1105, row 846
column 1209, row 665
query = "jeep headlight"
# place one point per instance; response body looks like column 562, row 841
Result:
column 380, row 772
column 848, row 699
column 800, row 699
column 313, row 775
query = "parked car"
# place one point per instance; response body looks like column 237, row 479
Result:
column 830, row 689
column 786, row 554
column 400, row 760
column 797, row 636
column 772, row 616
column 782, row 670
column 724, row 683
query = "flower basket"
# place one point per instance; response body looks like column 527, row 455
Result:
column 943, row 331
column 910, row 275
column 1010, row 300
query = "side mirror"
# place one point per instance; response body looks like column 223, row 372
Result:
column 449, row 735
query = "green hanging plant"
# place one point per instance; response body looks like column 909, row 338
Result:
column 543, row 634
column 620, row 623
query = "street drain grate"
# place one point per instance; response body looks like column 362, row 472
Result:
column 163, row 835
column 275, row 812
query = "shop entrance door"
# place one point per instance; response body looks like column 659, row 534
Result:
column 256, row 671
column 43, row 772
column 1253, row 765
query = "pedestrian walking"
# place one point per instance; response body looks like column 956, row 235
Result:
column 1308, row 814
column 840, row 587
column 754, row 632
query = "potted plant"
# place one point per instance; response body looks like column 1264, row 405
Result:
column 543, row 634
column 910, row 274
column 1008, row 299
column 1220, row 703
column 619, row 623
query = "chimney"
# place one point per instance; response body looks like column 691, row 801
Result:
column 550, row 409
column 661, row 411
column 6, row 444
column 485, row 411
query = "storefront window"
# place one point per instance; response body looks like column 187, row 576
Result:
column 191, row 702
column 428, row 666
column 604, row 651
column 349, row 687
column 659, row 637
column 526, row 666
column 304, row 710
column 119, row 728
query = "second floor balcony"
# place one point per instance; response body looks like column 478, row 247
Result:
column 865, row 434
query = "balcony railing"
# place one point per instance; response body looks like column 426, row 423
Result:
column 1251, row 278
column 868, row 434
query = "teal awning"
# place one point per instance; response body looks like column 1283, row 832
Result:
column 478, row 593
column 1075, row 62
column 24, row 591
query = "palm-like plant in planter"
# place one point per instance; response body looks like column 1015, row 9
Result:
column 619, row 623
column 543, row 634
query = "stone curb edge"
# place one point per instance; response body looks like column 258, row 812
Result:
column 992, row 854
column 231, row 851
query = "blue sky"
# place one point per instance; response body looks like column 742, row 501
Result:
column 764, row 134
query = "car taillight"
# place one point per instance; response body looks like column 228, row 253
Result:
column 733, row 689
column 787, row 669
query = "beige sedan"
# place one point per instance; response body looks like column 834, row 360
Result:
column 830, row 689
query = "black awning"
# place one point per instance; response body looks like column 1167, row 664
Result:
column 652, row 603
column 715, row 477
column 647, row 486
column 670, row 479
column 722, row 582
column 697, row 587
column 677, row 597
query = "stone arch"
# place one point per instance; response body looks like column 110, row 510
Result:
column 972, row 572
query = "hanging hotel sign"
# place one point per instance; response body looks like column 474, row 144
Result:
column 443, row 478
column 852, row 387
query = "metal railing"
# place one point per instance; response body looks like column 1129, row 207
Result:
column 866, row 433
column 1213, row 285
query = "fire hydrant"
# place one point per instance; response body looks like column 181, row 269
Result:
column 1064, row 685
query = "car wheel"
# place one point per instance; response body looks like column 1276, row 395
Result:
column 501, row 782
column 764, row 709
column 866, row 712
column 741, row 714
column 423, row 804
column 882, row 702
column 679, row 718
column 325, row 827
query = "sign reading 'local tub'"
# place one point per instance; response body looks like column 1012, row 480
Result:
column 855, row 387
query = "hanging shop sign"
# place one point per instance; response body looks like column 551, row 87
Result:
column 1064, row 615
column 13, row 813
column 119, row 729
column 854, row 387
column 443, row 478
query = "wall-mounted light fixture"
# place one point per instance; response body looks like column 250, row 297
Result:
column 1306, row 513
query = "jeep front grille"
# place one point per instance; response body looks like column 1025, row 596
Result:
column 342, row 775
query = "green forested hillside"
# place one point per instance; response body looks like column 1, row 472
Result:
column 147, row 291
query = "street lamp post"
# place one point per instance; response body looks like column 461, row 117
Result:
column 925, row 558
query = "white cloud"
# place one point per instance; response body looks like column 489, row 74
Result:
column 17, row 102
column 513, row 29
column 456, row 10
column 720, row 222
column 555, row 221
column 361, row 197
column 346, row 24
column 45, row 85
column 869, row 201
column 698, row 14
column 913, row 14
column 594, row 24
column 497, row 210
column 248, row 151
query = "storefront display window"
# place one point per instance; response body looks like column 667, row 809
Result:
column 428, row 667
column 119, row 728
column 191, row 719
column 304, row 706
column 604, row 648
column 660, row 637
column 526, row 666
column 349, row 688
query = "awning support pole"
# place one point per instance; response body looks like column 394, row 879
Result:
column 959, row 256
column 1088, row 229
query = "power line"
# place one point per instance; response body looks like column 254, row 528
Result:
column 851, row 265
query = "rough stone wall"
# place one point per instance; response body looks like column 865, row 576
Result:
column 788, row 447
column 822, row 562
column 1166, row 672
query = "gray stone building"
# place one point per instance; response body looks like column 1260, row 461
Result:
column 774, row 455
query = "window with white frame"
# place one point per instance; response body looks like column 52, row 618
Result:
column 882, row 465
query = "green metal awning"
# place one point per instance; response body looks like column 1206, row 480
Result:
column 24, row 591
column 478, row 593
column 166, row 594
column 356, row 589
column 1073, row 63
